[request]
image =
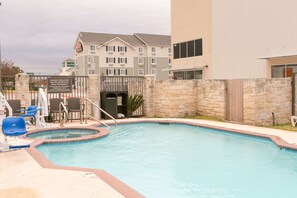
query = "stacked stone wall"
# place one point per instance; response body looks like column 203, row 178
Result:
column 263, row 98
column 175, row 98
column 211, row 99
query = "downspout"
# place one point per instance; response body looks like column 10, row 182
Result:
column 146, row 51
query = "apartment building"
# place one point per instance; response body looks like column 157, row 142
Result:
column 122, row 55
column 215, row 39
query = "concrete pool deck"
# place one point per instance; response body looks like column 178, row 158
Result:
column 23, row 176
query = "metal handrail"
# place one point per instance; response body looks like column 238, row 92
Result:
column 85, row 109
column 61, row 104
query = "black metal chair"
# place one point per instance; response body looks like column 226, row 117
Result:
column 15, row 106
column 54, row 107
column 73, row 106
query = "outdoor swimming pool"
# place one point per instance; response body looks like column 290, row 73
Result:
column 177, row 160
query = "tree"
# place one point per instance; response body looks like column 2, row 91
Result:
column 8, row 68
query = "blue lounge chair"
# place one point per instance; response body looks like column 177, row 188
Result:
column 31, row 112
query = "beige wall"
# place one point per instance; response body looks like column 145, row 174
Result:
column 190, row 20
column 236, row 34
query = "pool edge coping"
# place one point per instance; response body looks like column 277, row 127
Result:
column 108, row 178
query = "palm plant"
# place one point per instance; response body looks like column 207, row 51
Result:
column 134, row 102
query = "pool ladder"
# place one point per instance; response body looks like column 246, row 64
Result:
column 84, row 112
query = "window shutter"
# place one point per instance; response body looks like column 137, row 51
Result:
column 114, row 60
column 114, row 72
column 107, row 72
column 125, row 48
column 114, row 48
column 118, row 48
column 119, row 72
column 106, row 60
column 125, row 60
column 106, row 48
column 126, row 72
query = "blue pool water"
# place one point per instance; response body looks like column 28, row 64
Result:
column 62, row 134
column 181, row 161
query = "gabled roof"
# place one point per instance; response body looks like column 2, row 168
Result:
column 154, row 39
column 101, row 38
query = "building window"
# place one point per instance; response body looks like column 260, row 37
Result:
column 187, row 75
column 140, row 61
column 110, row 60
column 169, row 61
column 122, row 60
column 140, row 50
column 92, row 48
column 122, row 72
column 110, row 48
column 140, row 72
column 110, row 72
column 176, row 51
column 153, row 50
column 91, row 71
column 122, row 48
column 283, row 71
column 169, row 51
column 154, row 71
column 91, row 59
column 187, row 49
column 154, row 61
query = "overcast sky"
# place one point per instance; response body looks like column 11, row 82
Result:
column 39, row 34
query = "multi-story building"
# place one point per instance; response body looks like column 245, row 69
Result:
column 215, row 39
column 122, row 55
column 68, row 68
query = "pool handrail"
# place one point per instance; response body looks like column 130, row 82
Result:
column 61, row 104
column 88, row 116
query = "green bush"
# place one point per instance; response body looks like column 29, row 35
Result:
column 134, row 102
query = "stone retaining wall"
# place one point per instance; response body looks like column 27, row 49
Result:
column 179, row 98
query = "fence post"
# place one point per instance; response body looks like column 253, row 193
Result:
column 93, row 94
column 149, row 96
column 22, row 89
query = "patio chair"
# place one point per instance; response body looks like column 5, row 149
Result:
column 15, row 106
column 31, row 113
column 14, row 127
column 73, row 106
column 54, row 107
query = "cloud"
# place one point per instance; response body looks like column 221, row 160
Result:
column 39, row 35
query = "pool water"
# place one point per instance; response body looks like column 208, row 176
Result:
column 182, row 161
column 62, row 134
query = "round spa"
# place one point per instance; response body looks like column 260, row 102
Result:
column 65, row 134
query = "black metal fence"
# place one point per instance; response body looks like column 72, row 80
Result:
column 79, row 86
column 134, row 85
column 8, row 87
